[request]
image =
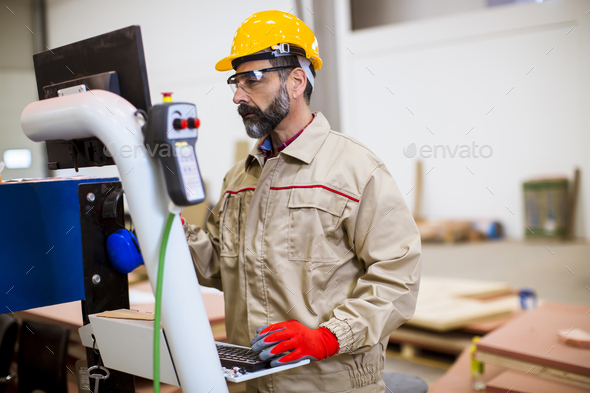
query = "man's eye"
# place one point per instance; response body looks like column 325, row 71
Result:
column 251, row 82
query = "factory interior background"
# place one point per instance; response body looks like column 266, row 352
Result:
column 478, row 108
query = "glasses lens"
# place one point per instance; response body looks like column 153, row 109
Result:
column 248, row 81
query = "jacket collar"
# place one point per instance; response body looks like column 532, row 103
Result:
column 304, row 148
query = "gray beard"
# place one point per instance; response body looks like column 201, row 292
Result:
column 263, row 123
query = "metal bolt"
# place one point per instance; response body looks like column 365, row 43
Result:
column 95, row 279
column 90, row 197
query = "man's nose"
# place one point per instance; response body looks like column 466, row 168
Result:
column 240, row 96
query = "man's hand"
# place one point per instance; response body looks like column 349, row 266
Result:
column 295, row 338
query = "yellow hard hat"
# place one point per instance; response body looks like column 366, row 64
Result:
column 278, row 30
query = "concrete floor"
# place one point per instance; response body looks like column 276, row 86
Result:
column 557, row 271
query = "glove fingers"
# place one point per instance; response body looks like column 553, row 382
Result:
column 266, row 354
column 281, row 347
column 274, row 326
column 272, row 338
column 264, row 330
column 278, row 335
column 259, row 343
column 262, row 335
column 267, row 328
column 257, row 338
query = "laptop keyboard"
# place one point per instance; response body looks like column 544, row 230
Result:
column 244, row 358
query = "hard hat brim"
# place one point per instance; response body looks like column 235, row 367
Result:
column 225, row 63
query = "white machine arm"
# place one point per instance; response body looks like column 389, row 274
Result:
column 111, row 119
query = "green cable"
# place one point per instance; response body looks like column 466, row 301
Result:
column 157, row 314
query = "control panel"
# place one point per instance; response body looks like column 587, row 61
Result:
column 170, row 134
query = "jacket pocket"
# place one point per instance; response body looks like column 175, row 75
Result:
column 230, row 226
column 313, row 217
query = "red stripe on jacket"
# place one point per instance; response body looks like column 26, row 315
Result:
column 243, row 189
column 316, row 186
column 290, row 187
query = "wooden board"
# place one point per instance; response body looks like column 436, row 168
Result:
column 519, row 382
column 69, row 315
column 418, row 193
column 550, row 373
column 572, row 203
column 447, row 342
column 532, row 339
column 498, row 380
column 486, row 325
column 445, row 304
column 448, row 314
column 434, row 287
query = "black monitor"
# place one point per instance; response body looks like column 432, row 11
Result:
column 113, row 61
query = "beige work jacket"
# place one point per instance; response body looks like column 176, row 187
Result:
column 320, row 234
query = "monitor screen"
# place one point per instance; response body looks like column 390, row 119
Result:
column 113, row 61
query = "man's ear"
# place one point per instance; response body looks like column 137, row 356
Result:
column 298, row 80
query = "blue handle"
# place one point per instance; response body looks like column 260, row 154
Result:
column 124, row 251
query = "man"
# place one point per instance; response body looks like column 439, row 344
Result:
column 311, row 241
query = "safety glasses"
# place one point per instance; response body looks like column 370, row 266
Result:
column 253, row 80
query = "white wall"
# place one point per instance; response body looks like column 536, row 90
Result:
column 446, row 74
column 182, row 41
column 17, row 84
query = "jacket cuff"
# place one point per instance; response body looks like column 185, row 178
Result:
column 343, row 334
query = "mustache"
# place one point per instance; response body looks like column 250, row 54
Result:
column 244, row 110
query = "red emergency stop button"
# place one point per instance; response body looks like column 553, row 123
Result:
column 194, row 123
column 180, row 124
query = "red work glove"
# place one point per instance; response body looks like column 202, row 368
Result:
column 300, row 341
